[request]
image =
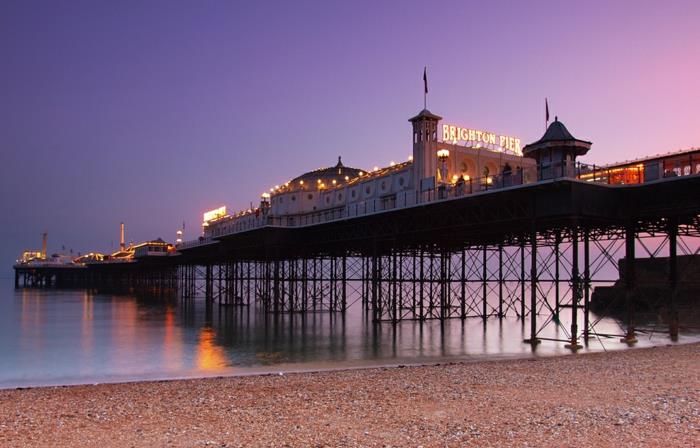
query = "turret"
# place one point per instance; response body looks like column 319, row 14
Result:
column 425, row 138
column 556, row 152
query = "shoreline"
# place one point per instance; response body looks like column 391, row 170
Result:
column 646, row 396
column 321, row 367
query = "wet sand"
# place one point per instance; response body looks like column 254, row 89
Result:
column 641, row 397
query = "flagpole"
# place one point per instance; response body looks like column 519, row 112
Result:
column 425, row 87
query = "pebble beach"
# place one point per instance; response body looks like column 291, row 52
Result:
column 639, row 397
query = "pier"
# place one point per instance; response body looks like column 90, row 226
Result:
column 532, row 238
column 539, row 250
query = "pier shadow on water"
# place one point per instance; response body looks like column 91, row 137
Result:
column 77, row 336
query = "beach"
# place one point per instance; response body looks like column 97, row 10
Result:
column 639, row 397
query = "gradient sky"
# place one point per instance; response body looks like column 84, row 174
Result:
column 152, row 112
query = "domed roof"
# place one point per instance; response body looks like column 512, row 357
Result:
column 327, row 175
column 558, row 135
column 556, row 131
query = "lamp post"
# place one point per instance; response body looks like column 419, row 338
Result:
column 443, row 154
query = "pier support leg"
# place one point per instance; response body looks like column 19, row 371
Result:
column 533, row 290
column 463, row 287
column 375, row 287
column 673, row 278
column 586, row 285
column 344, row 285
column 421, row 287
column 630, row 282
column 522, row 281
column 500, row 281
column 484, row 286
column 575, row 291
column 557, row 243
column 393, row 295
column 209, row 283
column 444, row 285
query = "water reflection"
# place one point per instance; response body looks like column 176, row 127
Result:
column 61, row 337
column 210, row 356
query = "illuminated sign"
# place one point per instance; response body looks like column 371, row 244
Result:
column 217, row 213
column 491, row 140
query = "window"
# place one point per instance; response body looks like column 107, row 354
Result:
column 294, row 198
column 354, row 193
column 383, row 185
column 401, row 181
column 310, row 196
column 340, row 196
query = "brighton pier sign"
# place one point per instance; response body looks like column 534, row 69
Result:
column 453, row 134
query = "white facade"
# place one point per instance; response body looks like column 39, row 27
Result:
column 341, row 192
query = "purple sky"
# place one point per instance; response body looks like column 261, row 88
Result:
column 150, row 113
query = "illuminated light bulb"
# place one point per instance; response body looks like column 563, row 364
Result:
column 271, row 190
column 392, row 163
column 347, row 177
column 277, row 187
column 454, row 178
column 334, row 182
column 443, row 154
column 376, row 168
column 466, row 177
column 410, row 158
column 318, row 181
column 361, row 173
column 301, row 182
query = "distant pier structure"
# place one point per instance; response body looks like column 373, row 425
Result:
column 473, row 225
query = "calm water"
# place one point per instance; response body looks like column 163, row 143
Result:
column 66, row 337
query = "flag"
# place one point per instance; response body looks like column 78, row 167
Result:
column 425, row 78
column 546, row 110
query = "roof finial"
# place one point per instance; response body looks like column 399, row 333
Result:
column 340, row 163
column 556, row 118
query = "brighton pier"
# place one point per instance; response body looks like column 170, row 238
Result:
column 460, row 231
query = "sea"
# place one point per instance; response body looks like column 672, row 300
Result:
column 52, row 337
